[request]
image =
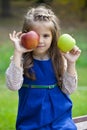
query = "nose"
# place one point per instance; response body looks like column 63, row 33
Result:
column 41, row 40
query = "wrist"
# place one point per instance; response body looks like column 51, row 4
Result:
column 71, row 63
column 71, row 68
column 17, row 58
column 18, row 53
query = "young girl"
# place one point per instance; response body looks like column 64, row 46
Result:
column 43, row 80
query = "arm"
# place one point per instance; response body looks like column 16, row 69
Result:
column 69, row 83
column 70, row 80
column 14, row 73
column 14, row 76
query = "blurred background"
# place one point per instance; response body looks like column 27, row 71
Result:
column 73, row 20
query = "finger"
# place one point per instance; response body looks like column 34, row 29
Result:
column 26, row 50
column 19, row 34
column 14, row 33
column 75, row 50
column 10, row 35
column 78, row 52
column 72, row 51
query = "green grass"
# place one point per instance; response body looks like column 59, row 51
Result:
column 81, row 41
column 79, row 99
column 6, row 50
column 9, row 104
column 8, row 108
column 82, row 74
column 80, row 36
column 9, row 99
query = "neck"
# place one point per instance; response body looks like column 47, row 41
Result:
column 41, row 57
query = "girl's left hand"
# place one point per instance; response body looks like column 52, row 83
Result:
column 72, row 55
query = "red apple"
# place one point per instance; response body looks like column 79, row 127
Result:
column 30, row 40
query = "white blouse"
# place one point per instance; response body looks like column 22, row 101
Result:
column 14, row 79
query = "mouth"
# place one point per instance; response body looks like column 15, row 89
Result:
column 40, row 46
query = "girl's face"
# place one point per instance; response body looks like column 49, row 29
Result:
column 45, row 40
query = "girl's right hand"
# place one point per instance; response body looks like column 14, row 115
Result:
column 15, row 37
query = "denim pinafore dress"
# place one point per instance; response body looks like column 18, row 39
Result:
column 43, row 108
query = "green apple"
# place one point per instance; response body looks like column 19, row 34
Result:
column 66, row 42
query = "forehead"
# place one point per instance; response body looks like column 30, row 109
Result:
column 43, row 26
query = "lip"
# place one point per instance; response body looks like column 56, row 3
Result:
column 40, row 46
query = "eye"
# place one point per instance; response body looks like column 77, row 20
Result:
column 46, row 35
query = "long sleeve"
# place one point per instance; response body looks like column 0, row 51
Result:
column 14, row 77
column 69, row 83
column 70, row 80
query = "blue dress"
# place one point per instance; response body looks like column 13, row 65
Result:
column 43, row 108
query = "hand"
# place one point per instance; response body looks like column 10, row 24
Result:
column 73, row 55
column 15, row 37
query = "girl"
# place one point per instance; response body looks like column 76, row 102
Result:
column 43, row 80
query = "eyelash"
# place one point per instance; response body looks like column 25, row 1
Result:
column 46, row 35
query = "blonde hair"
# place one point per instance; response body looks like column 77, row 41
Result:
column 44, row 14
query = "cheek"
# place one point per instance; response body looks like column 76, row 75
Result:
column 49, row 41
column 48, row 44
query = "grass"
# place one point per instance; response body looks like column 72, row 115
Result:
column 80, row 35
column 9, row 99
column 9, row 103
column 8, row 108
column 82, row 74
column 79, row 99
column 6, row 51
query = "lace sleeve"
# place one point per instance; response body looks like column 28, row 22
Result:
column 14, row 77
column 69, row 83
